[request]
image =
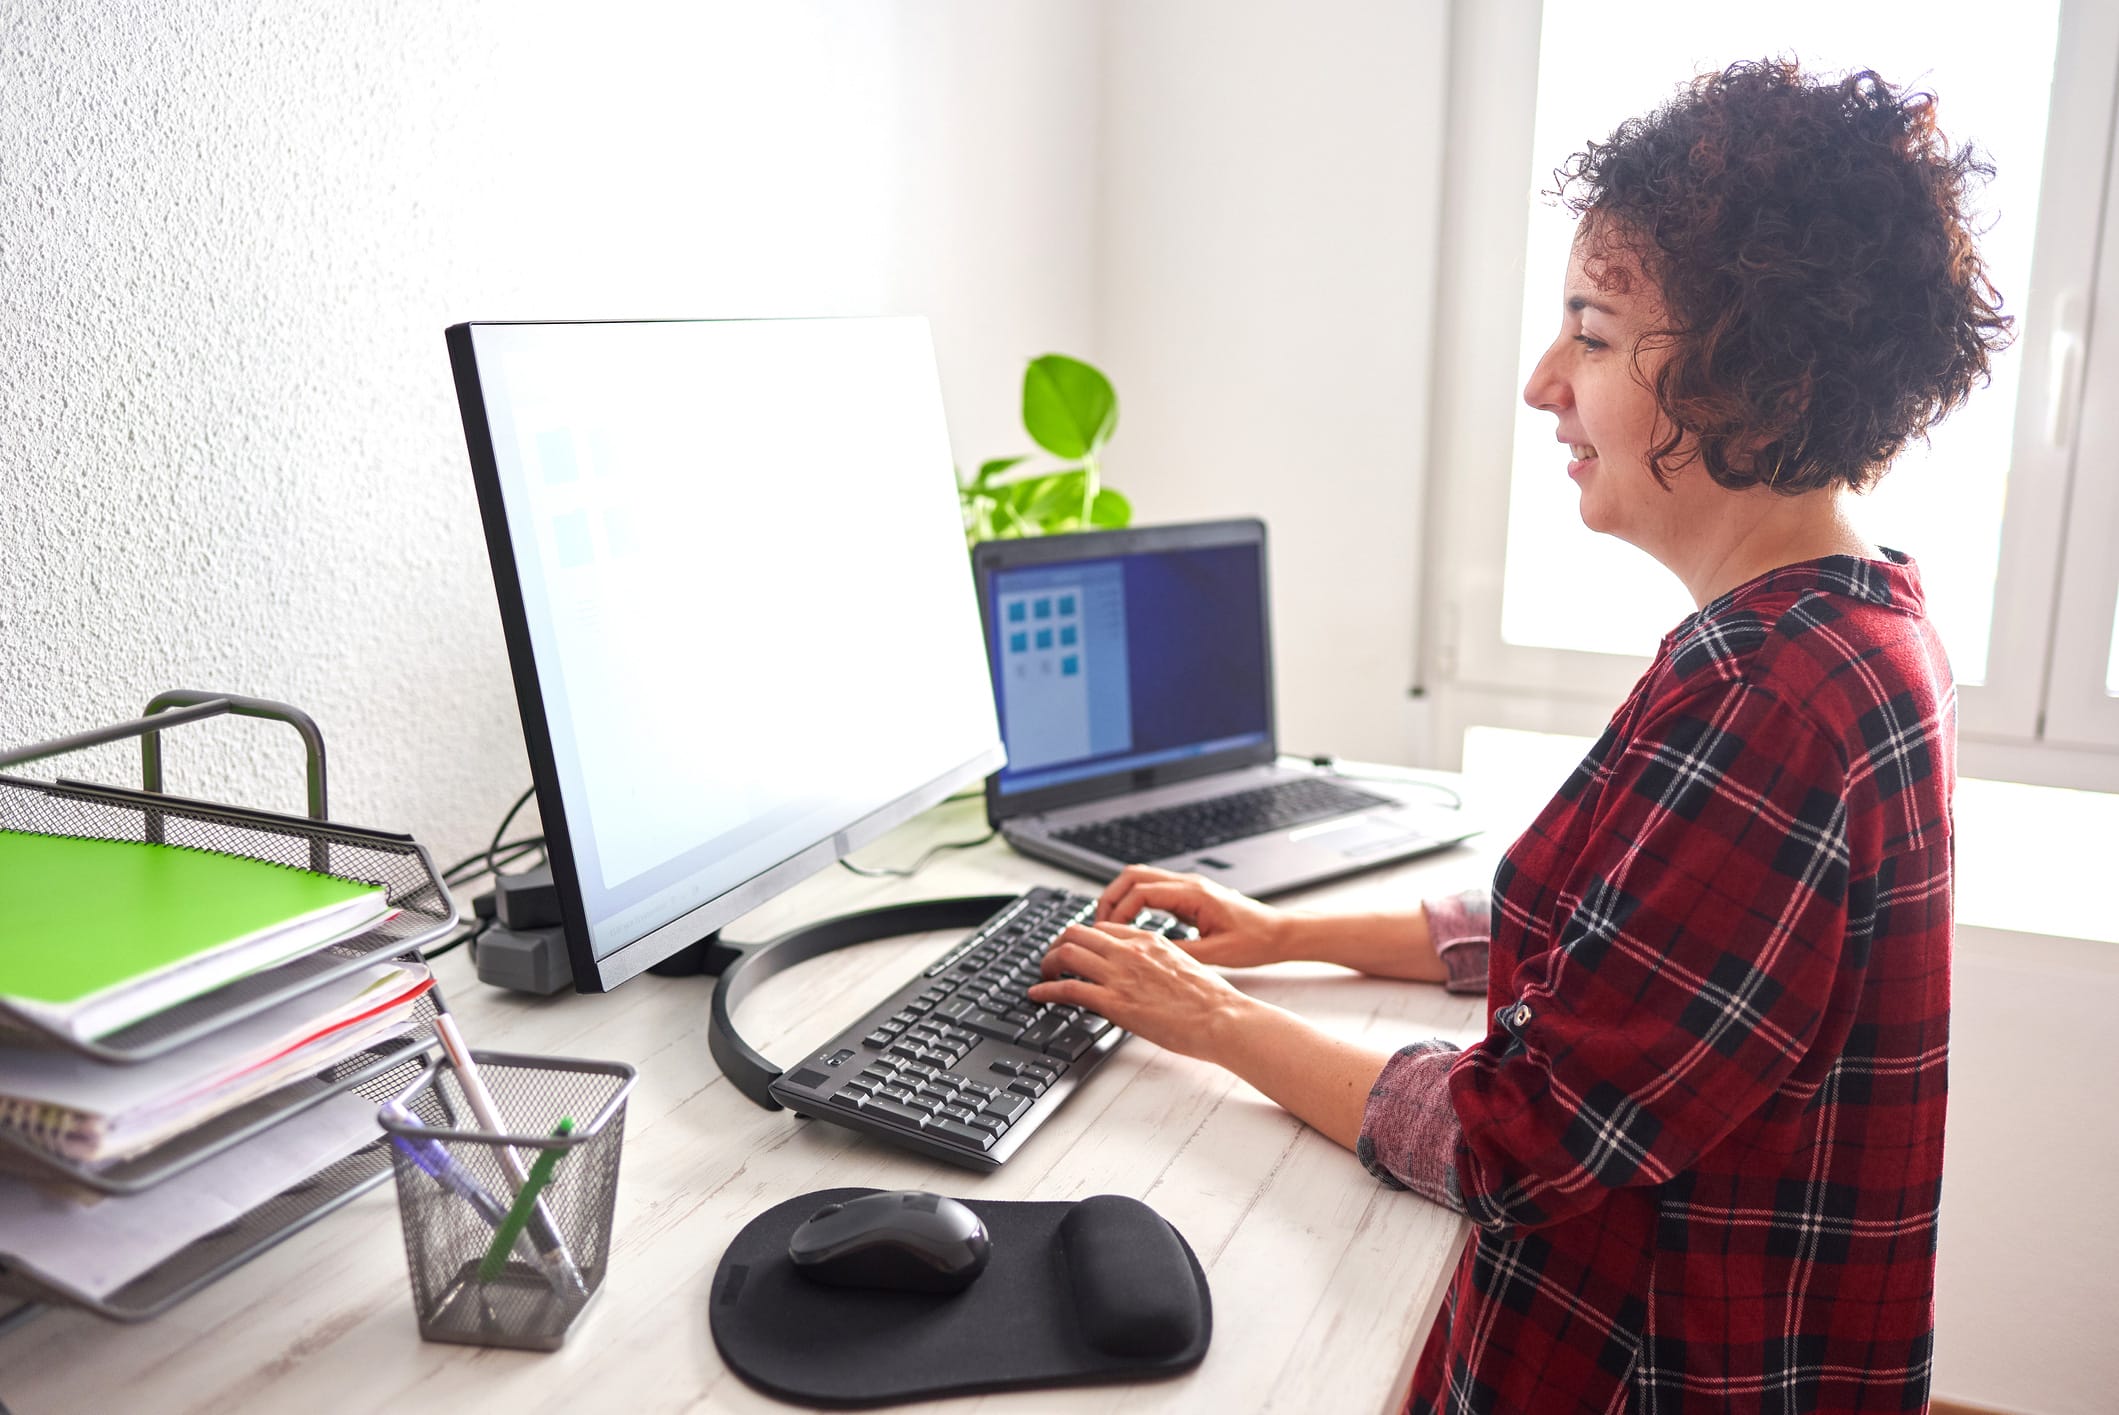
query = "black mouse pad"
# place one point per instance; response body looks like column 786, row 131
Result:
column 1075, row 1293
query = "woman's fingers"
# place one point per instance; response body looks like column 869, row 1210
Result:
column 1177, row 894
column 1073, row 954
column 1112, row 903
column 1068, row 992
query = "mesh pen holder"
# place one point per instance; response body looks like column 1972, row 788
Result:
column 527, row 1294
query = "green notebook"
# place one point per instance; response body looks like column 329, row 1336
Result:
column 95, row 934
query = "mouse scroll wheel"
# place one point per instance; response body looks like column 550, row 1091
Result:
column 826, row 1212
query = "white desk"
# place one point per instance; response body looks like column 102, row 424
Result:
column 1324, row 1281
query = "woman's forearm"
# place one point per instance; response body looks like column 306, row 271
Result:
column 1384, row 945
column 1322, row 1080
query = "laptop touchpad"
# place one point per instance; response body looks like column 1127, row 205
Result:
column 1365, row 835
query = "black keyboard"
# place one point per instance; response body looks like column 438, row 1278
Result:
column 958, row 1063
column 1201, row 825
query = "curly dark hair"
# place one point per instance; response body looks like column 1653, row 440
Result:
column 1811, row 243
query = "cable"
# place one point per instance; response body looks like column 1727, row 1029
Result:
column 918, row 864
column 522, row 845
column 509, row 853
column 470, row 935
column 1332, row 765
column 520, row 801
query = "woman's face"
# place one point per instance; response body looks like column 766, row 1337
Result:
column 1590, row 380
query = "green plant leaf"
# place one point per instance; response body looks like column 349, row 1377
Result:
column 988, row 470
column 1058, row 498
column 1069, row 408
column 1110, row 511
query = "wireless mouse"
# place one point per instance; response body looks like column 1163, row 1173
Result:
column 904, row 1240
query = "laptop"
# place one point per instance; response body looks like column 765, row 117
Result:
column 1134, row 681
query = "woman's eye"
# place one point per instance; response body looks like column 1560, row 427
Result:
column 1588, row 342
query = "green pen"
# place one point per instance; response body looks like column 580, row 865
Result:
column 511, row 1227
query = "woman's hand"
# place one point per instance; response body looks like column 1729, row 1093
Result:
column 1144, row 983
column 1234, row 931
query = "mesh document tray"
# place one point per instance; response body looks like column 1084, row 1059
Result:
column 395, row 862
column 286, row 1213
column 38, row 1157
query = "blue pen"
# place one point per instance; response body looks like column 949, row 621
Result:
column 433, row 1160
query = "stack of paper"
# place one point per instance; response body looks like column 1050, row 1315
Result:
column 97, row 1114
column 94, row 1249
column 98, row 934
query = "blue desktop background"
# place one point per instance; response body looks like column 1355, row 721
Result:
column 1195, row 654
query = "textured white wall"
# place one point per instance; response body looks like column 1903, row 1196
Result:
column 231, row 235
column 1267, row 276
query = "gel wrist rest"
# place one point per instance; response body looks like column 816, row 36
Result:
column 1074, row 1294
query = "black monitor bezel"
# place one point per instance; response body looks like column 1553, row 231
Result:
column 990, row 557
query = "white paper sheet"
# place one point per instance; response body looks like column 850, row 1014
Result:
column 95, row 1249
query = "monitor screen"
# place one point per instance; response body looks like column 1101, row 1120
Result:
column 731, row 571
column 1117, row 663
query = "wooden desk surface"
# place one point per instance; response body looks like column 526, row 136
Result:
column 1324, row 1281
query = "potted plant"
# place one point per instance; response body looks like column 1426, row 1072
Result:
column 1070, row 410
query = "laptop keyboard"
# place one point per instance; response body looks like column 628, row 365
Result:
column 1201, row 825
column 959, row 1062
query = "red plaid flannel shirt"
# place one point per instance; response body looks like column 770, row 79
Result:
column 1701, row 1141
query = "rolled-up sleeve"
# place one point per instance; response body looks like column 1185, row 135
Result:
column 1409, row 1133
column 1459, row 926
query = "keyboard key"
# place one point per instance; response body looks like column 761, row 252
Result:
column 958, row 1112
column 905, row 1050
column 988, row 1025
column 1007, row 1107
column 1043, row 1030
column 1025, row 1086
column 1071, row 1043
column 988, row 1122
column 969, row 1134
column 901, row 1094
column 1005, row 1066
column 910, row 1115
column 850, row 1098
column 876, row 1041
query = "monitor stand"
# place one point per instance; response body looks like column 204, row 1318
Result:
column 741, row 967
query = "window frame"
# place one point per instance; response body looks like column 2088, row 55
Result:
column 2041, row 716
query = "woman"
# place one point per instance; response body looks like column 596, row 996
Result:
column 1701, row 1141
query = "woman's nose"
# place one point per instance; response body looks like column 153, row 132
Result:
column 1547, row 389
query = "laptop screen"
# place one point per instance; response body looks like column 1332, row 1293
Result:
column 1115, row 663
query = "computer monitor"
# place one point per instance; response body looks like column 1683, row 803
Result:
column 732, row 577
